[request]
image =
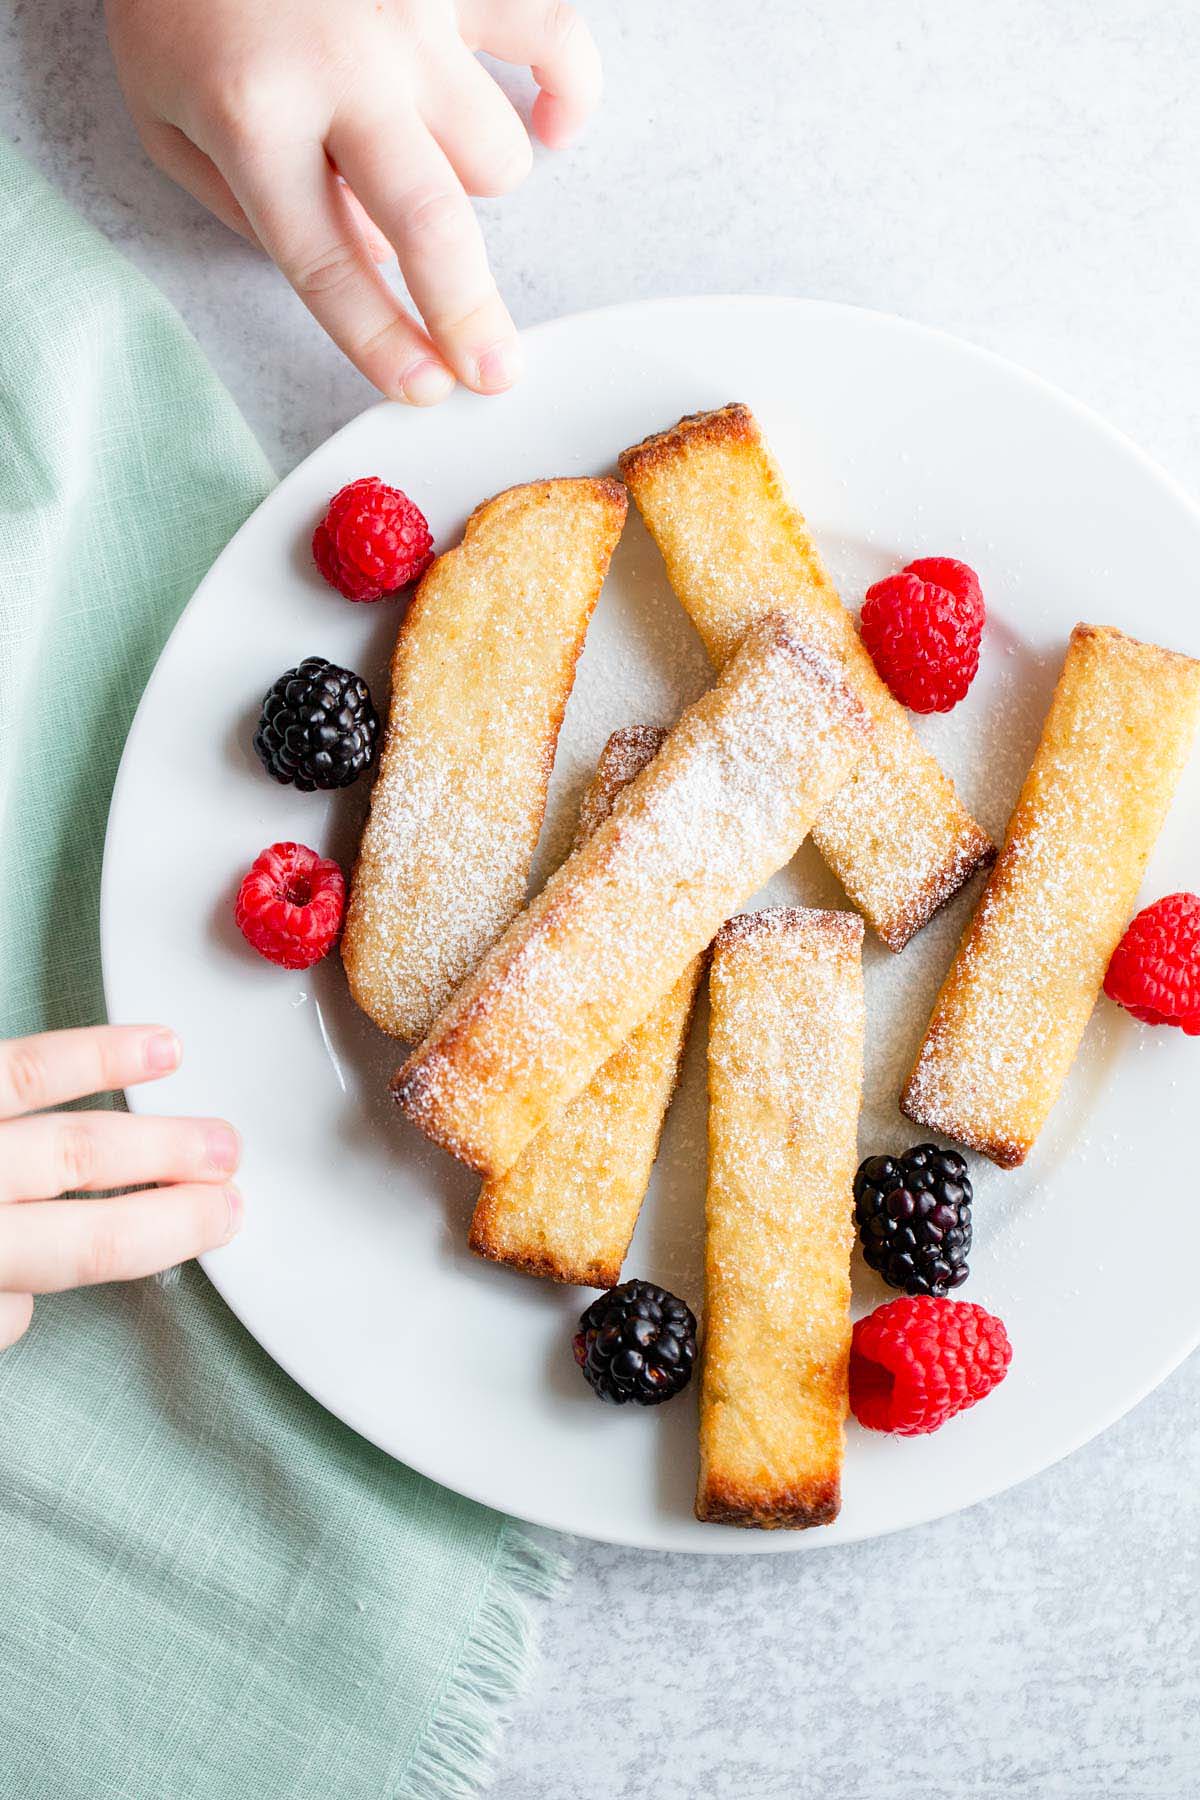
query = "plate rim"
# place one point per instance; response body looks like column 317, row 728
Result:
column 729, row 1542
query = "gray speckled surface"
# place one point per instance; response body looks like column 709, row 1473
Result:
column 1026, row 175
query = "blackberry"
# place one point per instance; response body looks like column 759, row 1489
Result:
column 318, row 728
column 914, row 1218
column 637, row 1342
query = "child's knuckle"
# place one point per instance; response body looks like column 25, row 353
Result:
column 393, row 337
column 76, row 1157
column 325, row 271
column 434, row 218
column 241, row 106
column 26, row 1076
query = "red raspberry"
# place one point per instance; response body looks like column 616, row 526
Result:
column 289, row 906
column 923, row 628
column 916, row 1362
column 372, row 540
column 1155, row 969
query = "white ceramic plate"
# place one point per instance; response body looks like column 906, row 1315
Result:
column 352, row 1269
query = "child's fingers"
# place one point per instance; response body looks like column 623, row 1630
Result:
column 49, row 1245
column 37, row 1072
column 16, row 1310
column 300, row 211
column 407, row 185
column 476, row 125
column 553, row 40
column 57, row 1153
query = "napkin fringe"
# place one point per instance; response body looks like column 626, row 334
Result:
column 454, row 1756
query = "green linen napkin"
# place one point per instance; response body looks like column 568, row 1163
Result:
column 209, row 1588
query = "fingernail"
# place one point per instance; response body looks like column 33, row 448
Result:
column 223, row 1148
column 236, row 1210
column 499, row 367
column 426, row 383
column 162, row 1052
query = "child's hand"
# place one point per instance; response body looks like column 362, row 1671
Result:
column 252, row 105
column 46, row 1243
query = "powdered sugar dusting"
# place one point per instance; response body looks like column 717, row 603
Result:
column 447, row 873
column 1010, row 1017
column 785, row 1076
column 723, row 805
column 793, row 1026
column 625, row 755
column 896, row 834
column 568, row 1206
column 482, row 671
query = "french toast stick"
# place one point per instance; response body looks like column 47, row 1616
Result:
column 482, row 670
column 1012, row 1010
column 567, row 1208
column 785, row 1072
column 725, row 803
column 896, row 834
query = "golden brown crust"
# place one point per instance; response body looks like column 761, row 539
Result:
column 1112, row 640
column 729, row 424
column 1010, row 1015
column 835, row 927
column 975, row 852
column 481, row 672
column 785, row 1081
column 627, row 752
column 567, row 1208
column 815, row 1502
column 416, row 1092
column 896, row 835
column 724, row 803
column 546, row 1265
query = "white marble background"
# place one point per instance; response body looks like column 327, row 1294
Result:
column 1025, row 174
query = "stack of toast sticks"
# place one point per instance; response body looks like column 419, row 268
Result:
column 549, row 1034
